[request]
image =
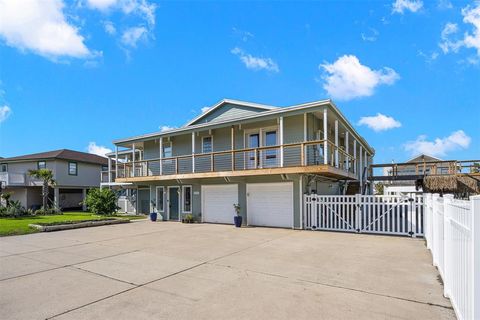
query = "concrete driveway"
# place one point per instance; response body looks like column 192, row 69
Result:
column 169, row 270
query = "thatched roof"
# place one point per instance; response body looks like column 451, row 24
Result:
column 451, row 184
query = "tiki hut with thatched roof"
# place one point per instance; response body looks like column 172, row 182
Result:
column 457, row 184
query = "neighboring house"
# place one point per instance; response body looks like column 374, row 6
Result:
column 261, row 157
column 74, row 172
column 420, row 165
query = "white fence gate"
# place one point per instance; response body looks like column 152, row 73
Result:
column 453, row 236
column 398, row 215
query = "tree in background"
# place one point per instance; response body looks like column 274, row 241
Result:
column 102, row 201
column 46, row 175
column 379, row 188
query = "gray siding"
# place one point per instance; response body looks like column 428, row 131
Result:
column 228, row 112
column 88, row 174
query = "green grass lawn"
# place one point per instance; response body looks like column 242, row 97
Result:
column 17, row 226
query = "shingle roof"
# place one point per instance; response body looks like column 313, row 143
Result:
column 64, row 154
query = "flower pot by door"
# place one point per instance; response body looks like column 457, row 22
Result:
column 238, row 221
column 153, row 216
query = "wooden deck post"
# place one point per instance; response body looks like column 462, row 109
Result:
column 116, row 161
column 355, row 156
column 133, row 160
column 160, row 144
column 347, row 158
column 193, row 152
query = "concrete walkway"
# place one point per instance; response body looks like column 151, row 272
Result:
column 169, row 270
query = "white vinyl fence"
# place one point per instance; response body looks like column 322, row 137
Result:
column 396, row 215
column 452, row 233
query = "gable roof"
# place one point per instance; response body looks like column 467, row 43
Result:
column 423, row 157
column 219, row 105
column 64, row 154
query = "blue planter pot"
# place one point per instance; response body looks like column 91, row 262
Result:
column 153, row 216
column 238, row 221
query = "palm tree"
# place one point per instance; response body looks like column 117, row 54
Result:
column 46, row 176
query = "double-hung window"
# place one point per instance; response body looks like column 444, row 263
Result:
column 72, row 168
column 41, row 165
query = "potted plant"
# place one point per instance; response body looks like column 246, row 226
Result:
column 238, row 218
column 188, row 218
column 153, row 214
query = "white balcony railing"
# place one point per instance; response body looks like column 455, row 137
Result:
column 19, row 179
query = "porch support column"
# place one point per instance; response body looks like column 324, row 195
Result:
column 160, row 147
column 355, row 163
column 281, row 140
column 116, row 162
column 84, row 197
column 347, row 151
column 232, row 144
column 365, row 163
column 336, row 143
column 361, row 169
column 193, row 152
column 305, row 135
column 325, row 136
column 133, row 160
column 109, row 169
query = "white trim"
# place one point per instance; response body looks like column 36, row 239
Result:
column 230, row 101
column 211, row 143
column 325, row 136
column 156, row 198
column 280, row 140
column 183, row 198
column 168, row 202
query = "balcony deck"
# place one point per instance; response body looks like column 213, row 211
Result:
column 313, row 157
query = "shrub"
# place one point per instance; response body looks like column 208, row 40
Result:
column 102, row 201
column 14, row 209
column 48, row 211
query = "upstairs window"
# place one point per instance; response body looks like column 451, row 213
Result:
column 167, row 150
column 207, row 144
column 72, row 168
column 41, row 165
column 3, row 167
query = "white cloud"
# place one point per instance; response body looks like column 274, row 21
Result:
column 471, row 16
column 429, row 57
column 371, row 36
column 447, row 43
column 347, row 78
column 399, row 6
column 440, row 146
column 109, row 27
column 98, row 150
column 5, row 112
column 444, row 4
column 255, row 63
column 244, row 35
column 140, row 7
column 205, row 109
column 380, row 122
column 131, row 36
column 166, row 128
column 101, row 4
column 41, row 27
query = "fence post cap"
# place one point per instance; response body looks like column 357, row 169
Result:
column 477, row 197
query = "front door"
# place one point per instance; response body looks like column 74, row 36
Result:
column 252, row 156
column 173, row 203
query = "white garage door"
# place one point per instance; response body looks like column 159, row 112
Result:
column 217, row 203
column 270, row 204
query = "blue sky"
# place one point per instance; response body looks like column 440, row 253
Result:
column 79, row 73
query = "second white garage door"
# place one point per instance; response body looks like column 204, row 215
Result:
column 217, row 202
column 270, row 204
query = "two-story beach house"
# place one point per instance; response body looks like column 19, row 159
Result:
column 264, row 158
column 74, row 172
